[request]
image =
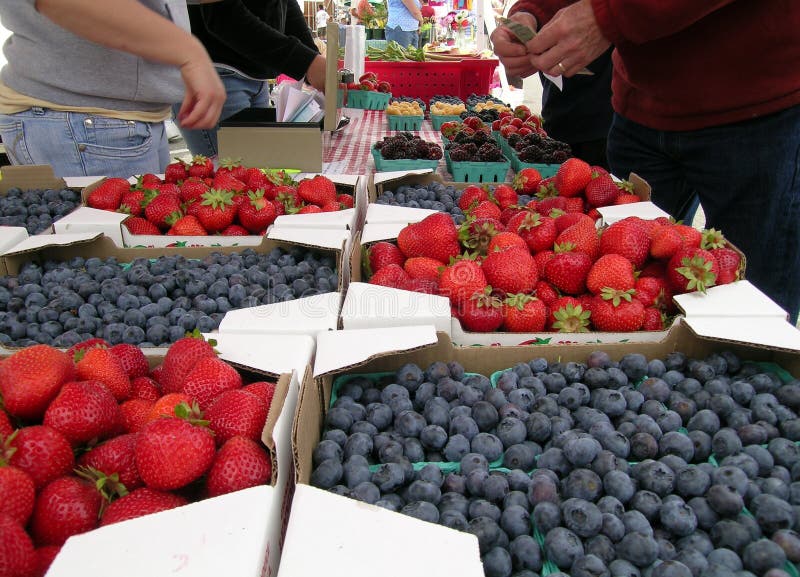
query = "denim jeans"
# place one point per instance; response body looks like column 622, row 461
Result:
column 77, row 144
column 746, row 176
column 242, row 93
column 403, row 37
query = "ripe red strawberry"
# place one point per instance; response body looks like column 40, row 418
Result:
column 617, row 311
column 524, row 314
column 550, row 204
column 692, row 269
column 472, row 195
column 505, row 240
column 201, row 167
column 567, row 315
column 728, row 261
column 505, row 196
column 481, row 313
column 86, row 345
column 115, row 457
column 602, row 191
column 66, row 506
column 527, row 181
column 539, row 232
column 435, row 236
column 575, row 204
column 188, row 225
column 172, row 452
column 628, row 238
column 545, row 292
column 237, row 413
column 653, row 292
column 257, row 180
column 691, row 236
column 391, row 275
column 18, row 494
column 82, row 411
column 567, row 271
column 610, row 271
column 108, row 194
column 380, row 254
column 31, row 378
column 176, row 171
column 583, row 238
column 132, row 202
column 653, row 319
column 477, row 232
column 135, row 413
column 141, row 502
column 568, row 219
column 486, row 209
column 209, row 377
column 17, row 557
column 192, row 189
column 132, row 359
column 40, row 451
column 345, row 201
column 263, row 390
column 234, row 167
column 216, row 210
column 6, row 428
column 421, row 267
column 226, row 181
column 422, row 285
column 161, row 207
column 460, row 280
column 145, row 388
column 240, row 463
column 235, row 230
column 138, row 225
column 168, row 188
column 181, row 358
column 101, row 365
column 257, row 213
column 666, row 241
column 511, row 271
column 309, row 209
column 288, row 197
column 572, row 177
column 318, row 190
column 332, row 206
column 44, row 558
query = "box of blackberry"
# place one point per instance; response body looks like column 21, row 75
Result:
column 582, row 459
column 62, row 289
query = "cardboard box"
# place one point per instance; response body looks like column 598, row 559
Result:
column 239, row 534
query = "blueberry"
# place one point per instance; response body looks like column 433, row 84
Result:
column 327, row 474
column 409, row 423
column 466, row 426
column 589, row 565
column 763, row 555
column 486, row 530
column 638, row 548
column 562, row 547
column 525, row 554
column 678, row 518
column 497, row 563
column 623, row 568
column 520, row 456
column 620, row 485
column 772, row 513
column 582, row 517
column 727, row 533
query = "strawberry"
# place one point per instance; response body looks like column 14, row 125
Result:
column 550, row 204
column 390, row 275
column 628, row 238
column 602, row 191
column 135, row 414
column 44, row 558
column 17, row 557
column 572, row 177
column 216, row 210
column 239, row 464
column 318, row 190
column 568, row 219
column 332, row 206
column 485, row 209
column 66, row 506
column 257, row 180
column 235, row 230
column 226, row 181
column 263, row 390
column 82, row 411
column 610, row 271
column 209, row 377
column 652, row 292
column 583, row 238
column 421, row 267
column 101, row 365
column 132, row 359
column 477, row 232
column 115, row 457
column 145, row 388
column 176, row 171
column 237, row 413
column 625, row 198
column 137, row 225
column 728, row 261
column 460, row 280
column 188, row 225
column 201, row 167
column 527, row 180
column 575, row 204
column 288, row 197
column 380, row 254
column 481, row 313
column 512, row 271
column 171, row 452
column 653, row 319
column 538, row 232
column 666, row 241
column 617, row 311
column 692, row 269
column 691, row 236
column 524, row 314
column 108, row 194
column 505, row 196
column 421, row 285
column 233, row 167
column 86, row 345
column 40, row 451
column 18, row 494
column 545, row 292
column 505, row 240
column 471, row 196
column 181, row 358
column 435, row 236
column 309, row 209
column 31, row 378
column 168, row 188
column 6, row 428
column 132, row 202
column 161, row 207
column 567, row 315
column 141, row 502
column 257, row 213
column 192, row 189
column 345, row 200
column 567, row 271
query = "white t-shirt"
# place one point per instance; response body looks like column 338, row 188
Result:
column 322, row 18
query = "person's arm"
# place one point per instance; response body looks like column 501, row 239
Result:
column 412, row 7
column 130, row 26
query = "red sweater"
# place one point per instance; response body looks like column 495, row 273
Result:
column 690, row 64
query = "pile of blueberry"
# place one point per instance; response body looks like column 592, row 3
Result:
column 36, row 209
column 446, row 99
column 433, row 196
column 673, row 467
column 150, row 302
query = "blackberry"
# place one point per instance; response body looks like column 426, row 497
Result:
column 489, row 152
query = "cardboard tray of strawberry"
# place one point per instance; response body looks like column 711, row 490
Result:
column 144, row 437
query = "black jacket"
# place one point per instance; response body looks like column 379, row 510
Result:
column 260, row 38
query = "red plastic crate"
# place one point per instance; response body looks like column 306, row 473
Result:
column 426, row 79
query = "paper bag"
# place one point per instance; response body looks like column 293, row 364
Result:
column 355, row 48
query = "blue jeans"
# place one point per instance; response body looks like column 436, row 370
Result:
column 403, row 37
column 77, row 144
column 747, row 178
column 242, row 93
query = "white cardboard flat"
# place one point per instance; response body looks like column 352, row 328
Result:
column 390, row 175
column 381, row 231
column 82, row 181
column 384, row 213
column 338, row 537
column 368, row 306
column 341, row 219
column 10, row 237
column 93, row 220
column 327, row 238
column 645, row 210
column 38, row 241
column 307, row 315
column 273, row 353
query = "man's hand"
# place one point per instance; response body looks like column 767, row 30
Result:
column 205, row 95
column 570, row 41
column 515, row 56
column 315, row 75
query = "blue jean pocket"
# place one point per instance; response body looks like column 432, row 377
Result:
column 13, row 135
column 112, row 137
